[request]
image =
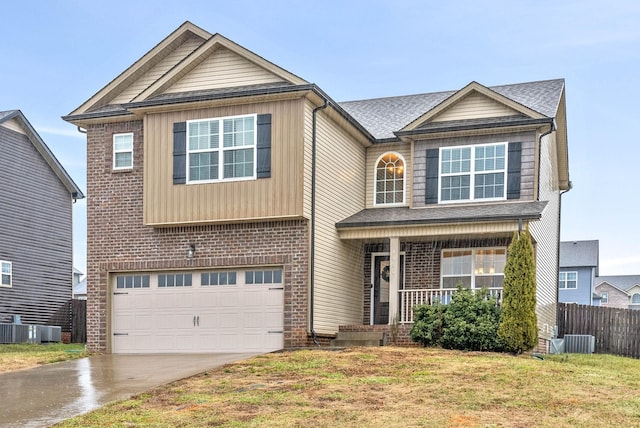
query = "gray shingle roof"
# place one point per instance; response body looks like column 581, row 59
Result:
column 623, row 282
column 384, row 116
column 579, row 253
column 444, row 214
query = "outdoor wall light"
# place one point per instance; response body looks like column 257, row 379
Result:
column 192, row 251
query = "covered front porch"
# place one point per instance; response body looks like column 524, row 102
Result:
column 410, row 261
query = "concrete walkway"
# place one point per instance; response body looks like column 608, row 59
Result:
column 44, row 395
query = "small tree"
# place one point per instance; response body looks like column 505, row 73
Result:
column 518, row 330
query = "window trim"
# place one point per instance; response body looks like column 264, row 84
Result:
column 473, row 274
column 10, row 285
column 632, row 298
column 121, row 168
column 221, row 150
column 472, row 173
column 404, row 181
column 561, row 281
column 604, row 297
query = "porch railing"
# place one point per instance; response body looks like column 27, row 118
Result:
column 411, row 298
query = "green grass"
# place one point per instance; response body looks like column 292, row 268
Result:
column 388, row 386
column 25, row 355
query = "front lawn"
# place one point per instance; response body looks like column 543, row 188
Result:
column 391, row 387
column 26, row 355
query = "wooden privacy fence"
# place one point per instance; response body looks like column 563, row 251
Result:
column 617, row 331
column 72, row 317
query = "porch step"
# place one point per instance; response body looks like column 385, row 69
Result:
column 359, row 338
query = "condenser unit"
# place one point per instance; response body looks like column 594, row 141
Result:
column 579, row 343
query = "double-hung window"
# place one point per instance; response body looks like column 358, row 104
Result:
column 470, row 173
column 6, row 274
column 221, row 149
column 123, row 151
column 568, row 280
column 473, row 267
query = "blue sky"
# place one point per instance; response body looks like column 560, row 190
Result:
column 56, row 54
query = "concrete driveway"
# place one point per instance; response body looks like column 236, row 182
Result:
column 44, row 395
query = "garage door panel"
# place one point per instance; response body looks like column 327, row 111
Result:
column 210, row 318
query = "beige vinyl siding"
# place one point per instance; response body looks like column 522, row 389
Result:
column 474, row 106
column 223, row 69
column 14, row 125
column 158, row 70
column 373, row 153
column 546, row 235
column 444, row 231
column 340, row 192
column 279, row 196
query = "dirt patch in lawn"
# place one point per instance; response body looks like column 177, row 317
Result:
column 371, row 387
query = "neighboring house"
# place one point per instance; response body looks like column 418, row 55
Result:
column 619, row 291
column 79, row 285
column 36, row 196
column 235, row 206
column 578, row 269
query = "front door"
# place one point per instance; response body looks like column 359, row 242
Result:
column 380, row 298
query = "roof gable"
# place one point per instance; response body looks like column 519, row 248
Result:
column 189, row 59
column 187, row 33
column 14, row 118
column 464, row 104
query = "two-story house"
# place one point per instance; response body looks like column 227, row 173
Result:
column 36, row 248
column 234, row 206
column 579, row 261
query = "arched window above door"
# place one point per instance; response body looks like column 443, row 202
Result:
column 390, row 180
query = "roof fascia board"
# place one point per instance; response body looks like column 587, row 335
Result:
column 47, row 155
column 203, row 52
column 612, row 286
column 139, row 64
column 448, row 221
column 472, row 87
column 488, row 128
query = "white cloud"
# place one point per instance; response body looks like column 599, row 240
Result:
column 629, row 265
column 64, row 132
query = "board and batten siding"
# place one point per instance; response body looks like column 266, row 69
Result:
column 36, row 231
column 158, row 70
column 527, row 172
column 373, row 153
column 546, row 236
column 280, row 196
column 223, row 69
column 340, row 192
column 474, row 106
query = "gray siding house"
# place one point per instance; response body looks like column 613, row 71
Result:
column 578, row 271
column 36, row 197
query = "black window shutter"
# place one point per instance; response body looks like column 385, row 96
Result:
column 180, row 153
column 263, row 167
column 513, row 172
column 431, row 177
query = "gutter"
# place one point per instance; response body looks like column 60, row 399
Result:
column 313, row 217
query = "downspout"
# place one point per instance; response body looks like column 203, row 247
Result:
column 552, row 128
column 313, row 218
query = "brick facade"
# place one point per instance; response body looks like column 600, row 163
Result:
column 118, row 241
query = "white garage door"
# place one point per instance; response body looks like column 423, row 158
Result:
column 202, row 311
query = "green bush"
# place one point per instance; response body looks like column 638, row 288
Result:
column 469, row 322
column 518, row 328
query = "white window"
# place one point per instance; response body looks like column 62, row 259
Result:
column 123, row 151
column 604, row 297
column 473, row 268
column 6, row 274
column 267, row 276
column 218, row 278
column 471, row 173
column 568, row 280
column 389, row 182
column 635, row 299
column 132, row 281
column 222, row 149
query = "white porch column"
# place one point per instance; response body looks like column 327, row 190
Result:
column 394, row 278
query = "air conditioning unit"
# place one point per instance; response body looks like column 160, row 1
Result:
column 556, row 346
column 579, row 343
